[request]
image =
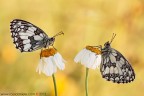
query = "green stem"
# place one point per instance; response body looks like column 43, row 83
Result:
column 86, row 81
column 55, row 87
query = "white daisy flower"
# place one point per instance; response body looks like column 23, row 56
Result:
column 50, row 60
column 90, row 57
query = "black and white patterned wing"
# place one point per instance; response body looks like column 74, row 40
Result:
column 26, row 36
column 116, row 68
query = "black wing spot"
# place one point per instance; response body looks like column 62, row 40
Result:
column 118, row 57
column 25, row 29
column 37, row 32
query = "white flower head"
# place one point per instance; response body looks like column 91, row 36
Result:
column 90, row 57
column 50, row 60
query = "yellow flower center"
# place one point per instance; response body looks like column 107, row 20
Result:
column 93, row 49
column 48, row 52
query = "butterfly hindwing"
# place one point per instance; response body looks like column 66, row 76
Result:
column 116, row 68
column 26, row 36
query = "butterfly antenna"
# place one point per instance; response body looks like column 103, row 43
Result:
column 113, row 36
column 60, row 33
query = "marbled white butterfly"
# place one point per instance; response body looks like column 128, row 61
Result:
column 28, row 37
column 114, row 67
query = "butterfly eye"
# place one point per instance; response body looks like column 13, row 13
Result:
column 107, row 44
column 52, row 39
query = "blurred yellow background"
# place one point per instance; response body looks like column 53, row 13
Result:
column 84, row 22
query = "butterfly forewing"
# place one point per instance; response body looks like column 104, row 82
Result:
column 26, row 36
column 115, row 67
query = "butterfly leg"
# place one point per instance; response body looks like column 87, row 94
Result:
column 54, row 47
column 99, row 46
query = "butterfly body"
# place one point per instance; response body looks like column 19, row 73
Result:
column 114, row 67
column 28, row 37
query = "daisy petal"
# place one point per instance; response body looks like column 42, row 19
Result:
column 49, row 68
column 97, row 61
column 85, row 58
column 79, row 56
column 39, row 67
column 59, row 61
column 91, row 60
